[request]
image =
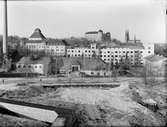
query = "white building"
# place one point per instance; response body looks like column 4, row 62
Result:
column 147, row 51
column 98, row 36
column 55, row 47
column 94, row 35
column 29, row 65
column 116, row 53
column 83, row 51
column 37, row 42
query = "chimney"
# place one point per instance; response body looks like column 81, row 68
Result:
column 134, row 38
column 5, row 29
column 126, row 36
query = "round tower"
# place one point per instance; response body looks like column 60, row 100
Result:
column 100, row 35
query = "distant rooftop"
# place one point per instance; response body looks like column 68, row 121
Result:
column 93, row 32
column 29, row 60
column 155, row 58
column 55, row 42
column 37, row 34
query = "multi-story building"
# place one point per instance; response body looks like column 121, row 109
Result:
column 121, row 52
column 55, row 47
column 38, row 42
column 97, row 36
column 83, row 51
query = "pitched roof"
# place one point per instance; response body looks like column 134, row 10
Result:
column 55, row 42
column 132, row 45
column 85, row 63
column 124, row 45
column 155, row 58
column 29, row 60
column 37, row 34
column 35, row 41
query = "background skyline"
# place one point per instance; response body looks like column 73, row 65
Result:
column 59, row 19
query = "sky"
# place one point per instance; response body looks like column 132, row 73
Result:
column 65, row 18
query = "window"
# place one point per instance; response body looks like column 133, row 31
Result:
column 131, row 51
column 108, row 55
column 149, row 51
column 108, row 51
column 35, row 66
column 104, row 55
column 19, row 66
column 85, row 50
column 92, row 73
column 24, row 66
column 115, row 51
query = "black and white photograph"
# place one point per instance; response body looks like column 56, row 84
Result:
column 83, row 63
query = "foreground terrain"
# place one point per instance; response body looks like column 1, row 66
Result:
column 119, row 106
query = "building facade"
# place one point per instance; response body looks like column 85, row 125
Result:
column 155, row 65
column 37, row 42
column 83, row 51
column 97, row 36
column 116, row 54
column 29, row 65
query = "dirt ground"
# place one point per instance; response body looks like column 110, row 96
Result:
column 96, row 106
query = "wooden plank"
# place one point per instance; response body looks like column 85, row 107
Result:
column 40, row 114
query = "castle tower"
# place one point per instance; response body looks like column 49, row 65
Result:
column 127, row 36
column 100, row 35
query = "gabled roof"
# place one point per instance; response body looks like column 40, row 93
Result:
column 37, row 34
column 155, row 58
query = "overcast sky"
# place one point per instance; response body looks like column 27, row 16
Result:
column 59, row 19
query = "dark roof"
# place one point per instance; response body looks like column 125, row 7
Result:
column 35, row 41
column 92, row 32
column 29, row 60
column 123, row 45
column 85, row 63
column 55, row 42
column 37, row 34
column 132, row 45
column 155, row 58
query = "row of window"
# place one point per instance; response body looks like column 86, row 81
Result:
column 89, row 51
column 105, row 52
column 29, row 66
column 78, row 55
